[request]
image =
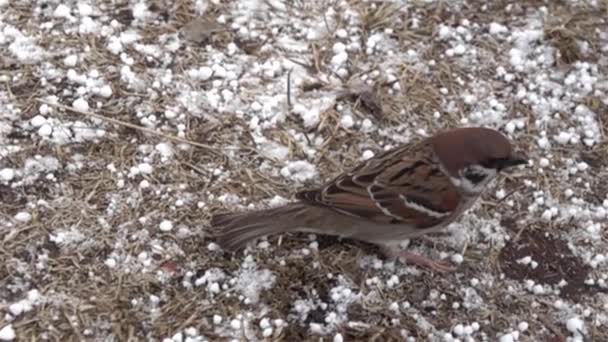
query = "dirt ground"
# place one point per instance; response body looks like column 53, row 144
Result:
column 125, row 124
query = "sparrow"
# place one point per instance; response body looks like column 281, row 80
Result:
column 403, row 193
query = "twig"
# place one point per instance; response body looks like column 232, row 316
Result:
column 73, row 326
column 133, row 126
column 194, row 168
column 509, row 194
column 289, row 90
column 545, row 321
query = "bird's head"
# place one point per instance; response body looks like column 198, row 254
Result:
column 474, row 156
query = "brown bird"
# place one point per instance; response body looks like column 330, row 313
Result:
column 403, row 193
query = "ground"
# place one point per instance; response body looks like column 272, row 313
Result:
column 125, row 124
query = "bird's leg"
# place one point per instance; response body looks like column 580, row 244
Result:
column 394, row 252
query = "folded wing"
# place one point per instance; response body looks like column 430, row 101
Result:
column 404, row 186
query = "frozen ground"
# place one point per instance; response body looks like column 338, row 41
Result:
column 104, row 227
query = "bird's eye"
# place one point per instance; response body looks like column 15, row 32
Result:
column 474, row 176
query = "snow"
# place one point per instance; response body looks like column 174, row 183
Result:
column 457, row 258
column 347, row 121
column 510, row 337
column 299, row 171
column 81, row 104
column 166, row 150
column 67, row 237
column 70, row 61
column 23, row 217
column 274, row 150
column 62, row 11
column 235, row 324
column 144, row 184
column 45, row 130
column 459, row 330
column 203, row 73
column 497, row 29
column 165, row 226
column 521, row 87
column 110, row 262
column 32, row 299
column 7, row 333
column 145, row 168
column 251, row 281
column 393, row 281
column 7, row 174
column 367, row 154
column 523, row 326
column 575, row 325
column 38, row 120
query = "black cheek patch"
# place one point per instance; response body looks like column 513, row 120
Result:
column 475, row 178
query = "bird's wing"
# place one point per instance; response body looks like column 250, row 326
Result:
column 402, row 186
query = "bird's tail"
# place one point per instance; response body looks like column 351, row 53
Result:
column 240, row 228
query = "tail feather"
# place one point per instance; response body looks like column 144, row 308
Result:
column 240, row 228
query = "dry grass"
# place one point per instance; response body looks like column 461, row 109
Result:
column 86, row 300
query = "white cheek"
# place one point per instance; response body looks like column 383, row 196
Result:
column 468, row 187
column 471, row 188
column 456, row 181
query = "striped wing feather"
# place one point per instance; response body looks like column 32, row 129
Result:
column 401, row 186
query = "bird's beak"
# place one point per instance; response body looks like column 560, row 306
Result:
column 515, row 159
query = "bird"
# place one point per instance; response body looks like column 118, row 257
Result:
column 403, row 193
